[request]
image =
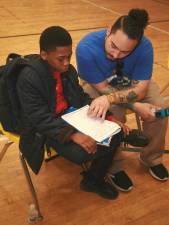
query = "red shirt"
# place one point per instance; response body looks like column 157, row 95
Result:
column 61, row 103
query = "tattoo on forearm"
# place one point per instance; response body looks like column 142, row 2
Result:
column 122, row 98
column 132, row 96
column 106, row 90
column 116, row 98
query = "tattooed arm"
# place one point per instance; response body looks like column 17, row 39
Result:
column 136, row 92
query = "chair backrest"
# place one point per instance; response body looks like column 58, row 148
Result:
column 49, row 152
column 13, row 137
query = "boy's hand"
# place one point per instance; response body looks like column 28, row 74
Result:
column 85, row 141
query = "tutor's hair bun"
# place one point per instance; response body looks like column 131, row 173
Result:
column 140, row 16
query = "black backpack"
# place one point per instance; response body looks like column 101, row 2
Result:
column 9, row 101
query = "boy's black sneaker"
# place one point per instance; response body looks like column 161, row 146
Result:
column 159, row 172
column 120, row 180
column 101, row 188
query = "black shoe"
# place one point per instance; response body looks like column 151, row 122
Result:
column 102, row 188
column 136, row 138
column 120, row 180
column 159, row 172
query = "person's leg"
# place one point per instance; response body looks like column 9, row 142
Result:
column 101, row 160
column 108, row 159
column 151, row 155
column 93, row 179
column 99, row 168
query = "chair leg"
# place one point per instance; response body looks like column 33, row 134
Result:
column 37, row 216
column 5, row 147
column 139, row 125
column 124, row 146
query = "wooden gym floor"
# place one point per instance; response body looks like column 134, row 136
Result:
column 61, row 200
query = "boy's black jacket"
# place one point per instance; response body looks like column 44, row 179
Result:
column 37, row 96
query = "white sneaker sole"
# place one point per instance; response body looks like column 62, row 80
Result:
column 157, row 178
column 150, row 171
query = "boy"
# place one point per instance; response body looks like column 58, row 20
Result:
column 45, row 94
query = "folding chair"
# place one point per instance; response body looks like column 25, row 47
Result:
column 10, row 138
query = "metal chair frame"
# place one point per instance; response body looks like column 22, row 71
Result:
column 37, row 214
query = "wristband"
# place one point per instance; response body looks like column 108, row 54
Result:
column 115, row 98
column 111, row 98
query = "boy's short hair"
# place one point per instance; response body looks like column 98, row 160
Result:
column 53, row 37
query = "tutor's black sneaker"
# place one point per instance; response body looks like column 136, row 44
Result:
column 120, row 180
column 159, row 172
column 101, row 188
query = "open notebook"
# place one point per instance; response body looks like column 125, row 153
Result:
column 96, row 128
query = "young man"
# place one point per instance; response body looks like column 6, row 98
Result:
column 46, row 89
column 117, row 64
